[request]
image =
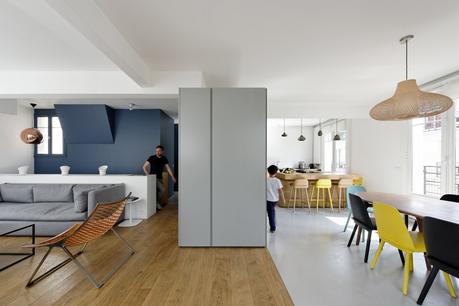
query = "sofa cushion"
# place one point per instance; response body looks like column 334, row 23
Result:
column 16, row 193
column 52, row 193
column 1, row 199
column 80, row 195
column 51, row 211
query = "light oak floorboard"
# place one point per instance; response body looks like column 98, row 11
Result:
column 159, row 273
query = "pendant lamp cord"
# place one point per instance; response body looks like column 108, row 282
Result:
column 406, row 59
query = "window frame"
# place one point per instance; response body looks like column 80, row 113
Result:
column 49, row 113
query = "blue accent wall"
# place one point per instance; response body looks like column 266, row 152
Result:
column 136, row 134
column 86, row 123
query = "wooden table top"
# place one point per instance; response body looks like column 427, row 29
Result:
column 416, row 205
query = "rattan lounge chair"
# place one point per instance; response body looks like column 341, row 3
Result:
column 100, row 221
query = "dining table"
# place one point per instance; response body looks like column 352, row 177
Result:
column 417, row 206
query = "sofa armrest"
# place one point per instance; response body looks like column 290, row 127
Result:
column 104, row 195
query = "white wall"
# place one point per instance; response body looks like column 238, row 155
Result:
column 380, row 153
column 288, row 151
column 13, row 152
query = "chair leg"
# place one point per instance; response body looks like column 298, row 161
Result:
column 452, row 292
column 317, row 199
column 411, row 263
column 33, row 281
column 427, row 285
column 307, row 199
column 294, row 201
column 406, row 273
column 347, row 221
column 402, row 258
column 359, row 234
column 367, row 249
column 339, row 199
column 330, row 197
column 415, row 226
column 109, row 274
column 352, row 235
column 378, row 252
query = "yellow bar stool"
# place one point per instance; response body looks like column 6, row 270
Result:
column 357, row 181
column 343, row 184
column 300, row 187
column 322, row 185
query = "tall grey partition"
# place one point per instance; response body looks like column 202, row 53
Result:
column 195, row 167
column 222, row 159
column 238, row 167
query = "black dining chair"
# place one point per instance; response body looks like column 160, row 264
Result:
column 442, row 244
column 361, row 219
column 446, row 197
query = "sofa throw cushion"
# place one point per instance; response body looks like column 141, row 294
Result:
column 17, row 193
column 52, row 193
column 80, row 195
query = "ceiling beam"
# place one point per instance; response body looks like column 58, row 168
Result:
column 88, row 19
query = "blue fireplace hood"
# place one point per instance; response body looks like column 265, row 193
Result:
column 86, row 123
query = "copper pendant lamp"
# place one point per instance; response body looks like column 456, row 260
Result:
column 301, row 138
column 409, row 101
column 31, row 135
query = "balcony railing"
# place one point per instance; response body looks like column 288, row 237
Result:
column 432, row 181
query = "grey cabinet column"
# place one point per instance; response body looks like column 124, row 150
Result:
column 238, row 167
column 222, row 159
column 195, row 167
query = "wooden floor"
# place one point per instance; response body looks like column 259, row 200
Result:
column 159, row 273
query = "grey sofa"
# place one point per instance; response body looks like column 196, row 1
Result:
column 53, row 208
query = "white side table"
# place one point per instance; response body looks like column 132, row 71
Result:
column 131, row 222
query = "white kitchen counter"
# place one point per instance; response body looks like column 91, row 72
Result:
column 141, row 186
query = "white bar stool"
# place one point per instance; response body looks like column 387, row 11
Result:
column 131, row 222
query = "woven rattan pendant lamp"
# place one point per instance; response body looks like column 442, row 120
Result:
column 409, row 101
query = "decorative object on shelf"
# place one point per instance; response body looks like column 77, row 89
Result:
column 131, row 106
column 320, row 129
column 31, row 135
column 336, row 138
column 284, row 134
column 23, row 170
column 65, row 170
column 301, row 138
column 409, row 101
column 103, row 170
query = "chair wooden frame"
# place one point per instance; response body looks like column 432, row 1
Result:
column 100, row 221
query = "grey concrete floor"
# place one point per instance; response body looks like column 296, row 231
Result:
column 310, row 253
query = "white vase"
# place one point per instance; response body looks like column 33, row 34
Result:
column 103, row 170
column 65, row 170
column 23, row 170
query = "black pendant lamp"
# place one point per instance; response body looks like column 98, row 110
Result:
column 336, row 138
column 301, row 138
column 320, row 129
column 284, row 134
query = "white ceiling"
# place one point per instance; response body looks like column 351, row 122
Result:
column 294, row 121
column 41, row 40
column 309, row 54
column 302, row 51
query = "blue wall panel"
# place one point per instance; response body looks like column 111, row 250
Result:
column 86, row 123
column 136, row 134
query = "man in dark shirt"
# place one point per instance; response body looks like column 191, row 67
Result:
column 155, row 164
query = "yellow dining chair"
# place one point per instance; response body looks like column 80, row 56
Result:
column 392, row 230
column 322, row 185
column 357, row 181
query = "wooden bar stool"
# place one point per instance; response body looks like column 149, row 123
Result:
column 301, row 186
column 322, row 185
column 342, row 186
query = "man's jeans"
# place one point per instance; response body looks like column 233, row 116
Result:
column 159, row 192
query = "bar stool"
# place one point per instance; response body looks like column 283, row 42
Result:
column 323, row 184
column 343, row 184
column 357, row 181
column 301, row 185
